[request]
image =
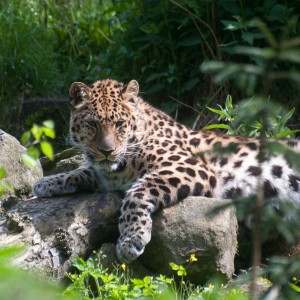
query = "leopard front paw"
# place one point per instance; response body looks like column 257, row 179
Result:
column 51, row 186
column 130, row 248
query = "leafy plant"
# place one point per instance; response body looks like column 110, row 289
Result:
column 27, row 59
column 267, row 63
column 38, row 136
column 106, row 285
column 160, row 43
column 93, row 281
column 244, row 119
column 259, row 115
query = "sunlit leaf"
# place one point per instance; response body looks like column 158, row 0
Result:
column 33, row 152
column 217, row 111
column 147, row 280
column 49, row 124
column 287, row 133
column 37, row 132
column 79, row 263
column 29, row 160
column 2, row 172
column 295, row 287
column 231, row 25
column 49, row 132
column 25, row 137
column 216, row 126
column 288, row 115
column 47, row 149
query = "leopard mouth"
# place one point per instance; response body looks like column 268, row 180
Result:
column 101, row 158
column 115, row 166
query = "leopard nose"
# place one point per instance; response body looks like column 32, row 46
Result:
column 106, row 153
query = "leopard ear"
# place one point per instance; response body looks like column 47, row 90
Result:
column 130, row 91
column 79, row 94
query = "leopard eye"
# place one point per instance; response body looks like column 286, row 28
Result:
column 119, row 123
column 91, row 123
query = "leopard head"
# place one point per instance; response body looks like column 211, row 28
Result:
column 104, row 118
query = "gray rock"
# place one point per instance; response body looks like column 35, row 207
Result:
column 56, row 230
column 18, row 174
column 67, row 160
column 185, row 229
column 69, row 164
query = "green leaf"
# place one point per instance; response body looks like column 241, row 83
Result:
column 295, row 287
column 79, row 263
column 174, row 266
column 217, row 111
column 181, row 271
column 90, row 261
column 138, row 283
column 216, row 126
column 212, row 66
column 29, row 160
column 33, row 152
column 287, row 116
column 286, row 133
column 228, row 102
column 47, row 149
column 25, row 137
column 248, row 37
column 49, row 124
column 290, row 55
column 49, row 132
column 37, row 132
column 266, row 53
column 147, row 280
column 2, row 172
column 231, row 25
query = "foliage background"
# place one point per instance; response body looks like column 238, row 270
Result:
column 45, row 45
column 186, row 54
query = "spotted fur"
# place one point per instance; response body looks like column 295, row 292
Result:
column 131, row 146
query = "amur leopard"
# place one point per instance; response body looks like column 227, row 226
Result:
column 131, row 146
